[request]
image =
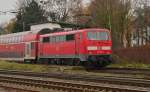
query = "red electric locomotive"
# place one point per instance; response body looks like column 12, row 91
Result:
column 89, row 46
column 86, row 46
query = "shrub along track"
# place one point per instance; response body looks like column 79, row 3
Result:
column 33, row 81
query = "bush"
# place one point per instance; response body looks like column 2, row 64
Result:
column 137, row 54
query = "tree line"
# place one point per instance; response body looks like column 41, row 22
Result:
column 128, row 20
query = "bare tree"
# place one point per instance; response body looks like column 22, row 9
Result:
column 114, row 15
column 142, row 22
column 61, row 10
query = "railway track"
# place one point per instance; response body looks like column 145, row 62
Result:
column 132, row 71
column 6, row 77
column 35, row 85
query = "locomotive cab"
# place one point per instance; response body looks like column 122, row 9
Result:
column 98, row 46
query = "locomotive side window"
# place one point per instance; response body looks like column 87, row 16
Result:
column 92, row 35
column 102, row 36
column 62, row 38
column 45, row 39
column 98, row 35
column 70, row 37
column 53, row 39
column 50, row 39
column 57, row 38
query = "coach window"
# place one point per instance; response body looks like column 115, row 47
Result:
column 70, row 37
column 15, row 39
column 19, row 39
column 1, row 40
column 8, row 40
column 5, row 41
column 32, row 45
column 45, row 39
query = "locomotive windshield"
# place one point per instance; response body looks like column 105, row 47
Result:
column 97, row 35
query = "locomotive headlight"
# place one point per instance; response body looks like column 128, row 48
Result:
column 92, row 48
column 106, row 47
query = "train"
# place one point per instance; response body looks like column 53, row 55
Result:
column 89, row 46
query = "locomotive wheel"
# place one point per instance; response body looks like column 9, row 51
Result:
column 102, row 63
column 52, row 61
column 76, row 62
column 70, row 62
column 64, row 62
column 88, row 64
column 57, row 62
column 61, row 62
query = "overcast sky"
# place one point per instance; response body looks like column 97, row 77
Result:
column 7, row 5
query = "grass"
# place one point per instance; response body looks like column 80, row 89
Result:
column 66, row 69
column 125, row 63
column 36, row 67
column 23, row 67
column 119, row 62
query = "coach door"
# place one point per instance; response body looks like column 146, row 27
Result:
column 27, row 50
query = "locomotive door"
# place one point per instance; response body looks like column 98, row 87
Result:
column 27, row 50
column 78, row 44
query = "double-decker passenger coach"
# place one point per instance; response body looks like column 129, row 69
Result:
column 18, row 46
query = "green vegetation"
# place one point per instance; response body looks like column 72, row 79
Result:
column 125, row 63
column 24, row 67
column 70, row 69
column 31, row 13
column 36, row 67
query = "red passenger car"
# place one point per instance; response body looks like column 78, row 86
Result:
column 19, row 46
column 91, row 46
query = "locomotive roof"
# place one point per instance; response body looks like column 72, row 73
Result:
column 73, row 31
column 47, row 32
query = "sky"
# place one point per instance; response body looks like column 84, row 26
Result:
column 8, row 5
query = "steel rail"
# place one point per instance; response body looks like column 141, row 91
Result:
column 96, row 79
column 132, row 71
column 15, row 89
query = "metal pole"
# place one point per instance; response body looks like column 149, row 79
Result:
column 23, row 26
